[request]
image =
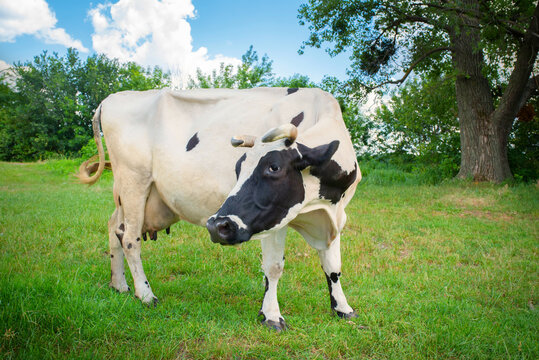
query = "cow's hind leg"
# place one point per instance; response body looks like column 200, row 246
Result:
column 331, row 264
column 116, row 233
column 134, row 193
column 272, row 265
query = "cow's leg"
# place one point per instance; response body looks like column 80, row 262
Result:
column 133, row 196
column 272, row 265
column 331, row 264
column 116, row 233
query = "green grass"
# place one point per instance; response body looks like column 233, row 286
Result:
column 434, row 272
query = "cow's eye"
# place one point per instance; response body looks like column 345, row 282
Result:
column 274, row 168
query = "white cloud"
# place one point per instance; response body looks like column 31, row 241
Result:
column 152, row 32
column 33, row 17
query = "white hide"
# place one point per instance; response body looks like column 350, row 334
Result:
column 147, row 132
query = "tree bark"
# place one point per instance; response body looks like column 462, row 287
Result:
column 484, row 130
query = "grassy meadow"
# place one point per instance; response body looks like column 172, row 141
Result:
column 434, row 272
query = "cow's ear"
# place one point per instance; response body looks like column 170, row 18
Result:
column 316, row 156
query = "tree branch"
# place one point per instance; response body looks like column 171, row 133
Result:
column 531, row 87
column 520, row 85
column 413, row 18
column 508, row 25
column 410, row 68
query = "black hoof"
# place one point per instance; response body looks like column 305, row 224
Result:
column 342, row 315
column 274, row 325
column 151, row 304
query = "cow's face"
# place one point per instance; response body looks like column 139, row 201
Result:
column 270, row 190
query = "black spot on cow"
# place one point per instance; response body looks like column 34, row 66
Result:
column 129, row 246
column 111, row 256
column 266, row 287
column 193, row 141
column 265, row 198
column 167, row 230
column 121, row 227
column 120, row 237
column 335, row 276
column 291, row 91
column 331, row 297
column 297, row 119
column 138, row 239
column 154, row 236
column 333, row 179
column 119, row 201
column 238, row 165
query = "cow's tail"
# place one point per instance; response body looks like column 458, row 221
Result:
column 90, row 167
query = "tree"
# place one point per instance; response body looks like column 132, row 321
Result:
column 421, row 119
column 359, row 126
column 489, row 47
column 250, row 73
column 48, row 109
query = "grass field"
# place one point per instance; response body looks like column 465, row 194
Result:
column 434, row 272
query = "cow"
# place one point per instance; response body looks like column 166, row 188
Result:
column 247, row 164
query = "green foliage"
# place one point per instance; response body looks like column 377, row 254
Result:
column 434, row 272
column 250, row 73
column 523, row 150
column 403, row 168
column 359, row 126
column 50, row 107
column 421, row 119
column 294, row 81
column 90, row 149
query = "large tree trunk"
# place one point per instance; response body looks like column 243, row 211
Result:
column 484, row 130
column 483, row 143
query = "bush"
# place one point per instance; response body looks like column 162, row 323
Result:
column 90, row 149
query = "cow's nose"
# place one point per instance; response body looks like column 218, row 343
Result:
column 222, row 230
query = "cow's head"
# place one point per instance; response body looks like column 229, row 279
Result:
column 270, row 191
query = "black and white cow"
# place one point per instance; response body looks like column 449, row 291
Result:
column 172, row 160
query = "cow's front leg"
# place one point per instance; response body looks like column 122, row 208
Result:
column 331, row 264
column 133, row 208
column 116, row 233
column 272, row 265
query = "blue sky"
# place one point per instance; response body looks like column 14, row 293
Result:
column 178, row 34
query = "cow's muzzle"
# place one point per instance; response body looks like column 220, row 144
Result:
column 225, row 231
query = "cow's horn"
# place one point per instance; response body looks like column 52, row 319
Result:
column 243, row 141
column 285, row 131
